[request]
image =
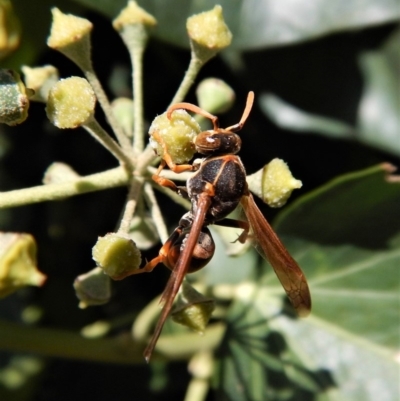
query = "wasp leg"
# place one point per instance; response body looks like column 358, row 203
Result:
column 167, row 159
column 244, row 225
column 149, row 267
column 162, row 254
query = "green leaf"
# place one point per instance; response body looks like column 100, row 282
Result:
column 257, row 24
column 378, row 117
column 379, row 110
column 285, row 115
column 346, row 237
column 358, row 208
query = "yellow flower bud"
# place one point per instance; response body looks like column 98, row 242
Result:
column 177, row 135
column 18, row 263
column 70, row 35
column 208, row 29
column 10, row 29
column 117, row 255
column 274, row 183
column 71, row 102
column 133, row 14
column 193, row 309
column 67, row 29
column 40, row 79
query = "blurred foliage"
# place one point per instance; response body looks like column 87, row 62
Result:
column 378, row 117
column 345, row 234
column 261, row 24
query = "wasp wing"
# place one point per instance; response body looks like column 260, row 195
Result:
column 271, row 248
column 179, row 271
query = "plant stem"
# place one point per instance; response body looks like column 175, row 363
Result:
column 155, row 212
column 195, row 66
column 137, row 79
column 137, row 181
column 108, row 179
column 105, row 105
column 121, row 349
column 197, row 389
column 97, row 131
column 135, row 37
column 130, row 205
column 64, row 344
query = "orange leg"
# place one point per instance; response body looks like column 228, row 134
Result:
column 162, row 254
column 244, row 225
column 176, row 168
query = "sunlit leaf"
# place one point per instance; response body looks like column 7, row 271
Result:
column 379, row 110
column 346, row 237
column 285, row 115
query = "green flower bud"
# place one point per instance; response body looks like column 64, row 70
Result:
column 71, row 103
column 40, row 79
column 10, row 29
column 70, row 35
column 133, row 14
column 93, row 288
column 208, row 33
column 215, row 96
column 274, row 183
column 176, row 136
column 14, row 98
column 192, row 309
column 18, row 263
column 117, row 255
column 133, row 24
column 122, row 108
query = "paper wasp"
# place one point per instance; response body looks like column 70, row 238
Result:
column 215, row 189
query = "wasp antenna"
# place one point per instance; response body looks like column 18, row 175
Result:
column 245, row 115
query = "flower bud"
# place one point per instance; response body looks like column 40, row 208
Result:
column 70, row 35
column 192, row 309
column 117, row 255
column 71, row 103
column 133, row 24
column 59, row 172
column 208, row 33
column 175, row 135
column 215, row 96
column 14, row 98
column 18, row 263
column 274, row 183
column 10, row 29
column 40, row 79
column 93, row 288
column 133, row 14
column 122, row 108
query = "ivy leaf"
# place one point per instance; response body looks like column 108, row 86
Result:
column 256, row 24
column 347, row 240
